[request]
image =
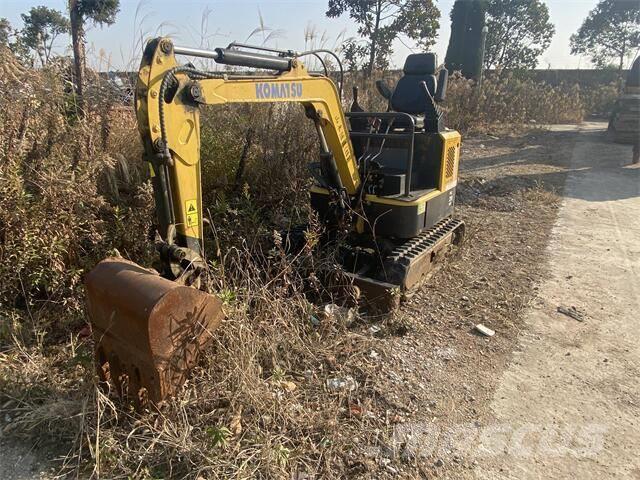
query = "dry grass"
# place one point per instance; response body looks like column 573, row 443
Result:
column 73, row 190
column 510, row 101
column 57, row 213
column 258, row 406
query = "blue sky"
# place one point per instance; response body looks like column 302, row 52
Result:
column 119, row 46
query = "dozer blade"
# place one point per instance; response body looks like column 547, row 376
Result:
column 148, row 330
column 406, row 266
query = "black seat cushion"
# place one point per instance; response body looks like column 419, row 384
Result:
column 408, row 96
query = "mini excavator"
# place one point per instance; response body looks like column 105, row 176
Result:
column 388, row 178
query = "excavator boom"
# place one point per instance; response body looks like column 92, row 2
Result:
column 168, row 97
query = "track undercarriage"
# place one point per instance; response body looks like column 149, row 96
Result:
column 384, row 273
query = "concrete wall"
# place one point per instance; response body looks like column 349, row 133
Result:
column 584, row 78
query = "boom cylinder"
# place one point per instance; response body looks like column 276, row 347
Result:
column 238, row 58
column 231, row 56
column 195, row 52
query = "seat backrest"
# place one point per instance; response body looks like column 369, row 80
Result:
column 408, row 96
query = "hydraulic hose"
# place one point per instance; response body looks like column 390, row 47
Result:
column 168, row 76
column 329, row 52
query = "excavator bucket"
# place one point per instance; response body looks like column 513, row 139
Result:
column 148, row 330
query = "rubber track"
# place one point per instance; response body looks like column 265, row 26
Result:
column 424, row 242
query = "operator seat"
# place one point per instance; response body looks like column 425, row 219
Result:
column 389, row 157
column 409, row 96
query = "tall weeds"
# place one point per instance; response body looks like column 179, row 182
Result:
column 508, row 100
column 61, row 187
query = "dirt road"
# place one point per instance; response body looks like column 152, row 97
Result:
column 549, row 396
column 568, row 404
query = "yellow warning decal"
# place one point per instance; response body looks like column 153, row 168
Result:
column 191, row 209
column 422, row 207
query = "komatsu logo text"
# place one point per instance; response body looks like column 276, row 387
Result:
column 279, row 90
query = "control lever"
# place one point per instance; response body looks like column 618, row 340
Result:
column 355, row 106
column 383, row 89
column 433, row 117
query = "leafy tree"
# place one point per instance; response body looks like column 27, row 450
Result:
column 5, row 31
column 42, row 25
column 380, row 22
column 610, row 31
column 10, row 37
column 519, row 31
column 464, row 51
column 99, row 12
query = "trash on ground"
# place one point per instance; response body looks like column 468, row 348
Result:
column 346, row 384
column 355, row 410
column 486, row 331
column 572, row 312
column 288, row 386
column 236, row 422
column 331, row 311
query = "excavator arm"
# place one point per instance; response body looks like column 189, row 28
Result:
column 168, row 101
column 149, row 329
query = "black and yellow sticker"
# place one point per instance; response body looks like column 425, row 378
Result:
column 191, row 209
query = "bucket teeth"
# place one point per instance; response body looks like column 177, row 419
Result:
column 148, row 331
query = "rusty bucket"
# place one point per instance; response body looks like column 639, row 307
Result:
column 148, row 330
